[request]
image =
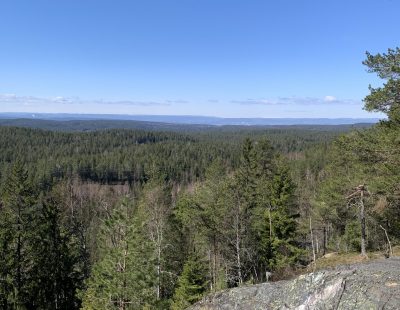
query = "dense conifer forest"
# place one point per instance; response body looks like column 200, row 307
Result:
column 151, row 218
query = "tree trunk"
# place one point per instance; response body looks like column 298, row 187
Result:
column 238, row 262
column 215, row 262
column 210, row 268
column 312, row 244
column 159, row 268
column 362, row 219
column 390, row 250
column 19, row 260
column 270, row 223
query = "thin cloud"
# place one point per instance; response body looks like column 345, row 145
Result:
column 254, row 102
column 179, row 101
column 330, row 98
column 297, row 101
column 12, row 99
column 128, row 103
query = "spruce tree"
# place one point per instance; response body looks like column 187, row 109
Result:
column 124, row 277
column 56, row 273
column 16, row 237
column 274, row 224
column 192, row 283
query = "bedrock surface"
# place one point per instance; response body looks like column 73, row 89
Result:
column 370, row 285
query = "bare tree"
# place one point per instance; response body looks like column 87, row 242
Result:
column 357, row 198
column 156, row 211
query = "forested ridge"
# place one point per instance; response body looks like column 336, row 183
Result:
column 149, row 219
column 121, row 155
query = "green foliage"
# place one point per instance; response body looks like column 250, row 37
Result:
column 385, row 99
column 117, row 155
column 192, row 283
column 161, row 231
column 274, row 225
column 203, row 216
column 368, row 157
column 16, row 239
column 215, row 209
column 56, row 267
column 352, row 236
column 244, row 224
column 124, row 276
column 38, row 267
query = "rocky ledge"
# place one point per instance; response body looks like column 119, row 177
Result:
column 371, row 285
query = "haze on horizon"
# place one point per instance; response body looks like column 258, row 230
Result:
column 288, row 59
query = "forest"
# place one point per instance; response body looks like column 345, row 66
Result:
column 100, row 216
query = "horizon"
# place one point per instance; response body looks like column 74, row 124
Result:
column 263, row 59
column 34, row 114
column 16, row 118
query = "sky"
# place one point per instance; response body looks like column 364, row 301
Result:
column 227, row 58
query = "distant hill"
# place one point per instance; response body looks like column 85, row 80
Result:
column 102, row 124
column 190, row 119
column 91, row 125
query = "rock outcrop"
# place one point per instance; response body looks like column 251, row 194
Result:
column 371, row 285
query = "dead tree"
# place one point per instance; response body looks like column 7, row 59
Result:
column 357, row 197
column 389, row 249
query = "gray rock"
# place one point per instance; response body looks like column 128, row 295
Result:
column 372, row 285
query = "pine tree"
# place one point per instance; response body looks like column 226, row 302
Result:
column 385, row 99
column 367, row 157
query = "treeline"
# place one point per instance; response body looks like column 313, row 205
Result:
column 78, row 125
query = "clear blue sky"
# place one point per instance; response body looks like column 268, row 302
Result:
column 281, row 58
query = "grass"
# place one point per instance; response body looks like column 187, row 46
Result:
column 334, row 259
column 331, row 260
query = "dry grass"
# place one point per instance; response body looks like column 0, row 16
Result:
column 334, row 259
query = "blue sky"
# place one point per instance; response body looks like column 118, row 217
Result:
column 286, row 58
